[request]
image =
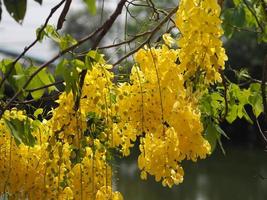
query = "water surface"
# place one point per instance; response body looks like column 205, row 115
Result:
column 238, row 175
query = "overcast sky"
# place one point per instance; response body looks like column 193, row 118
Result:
column 14, row 37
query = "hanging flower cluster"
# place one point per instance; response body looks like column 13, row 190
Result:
column 156, row 104
column 201, row 48
column 69, row 156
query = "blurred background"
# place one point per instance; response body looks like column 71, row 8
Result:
column 240, row 174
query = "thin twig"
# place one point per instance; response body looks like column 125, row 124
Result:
column 45, row 98
column 105, row 28
column 124, row 42
column 26, row 49
column 224, row 95
column 261, row 131
column 44, row 65
column 45, row 86
column 153, row 32
column 255, row 16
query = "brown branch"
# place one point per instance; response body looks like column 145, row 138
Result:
column 63, row 14
column 106, row 26
column 26, row 49
column 45, row 98
column 261, row 131
column 121, row 43
column 220, row 2
column 44, row 65
column 45, row 86
column 254, row 15
column 153, row 32
column 224, row 94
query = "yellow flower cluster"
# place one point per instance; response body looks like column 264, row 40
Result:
column 70, row 159
column 201, row 48
column 160, row 101
column 70, row 154
column 156, row 104
column 22, row 167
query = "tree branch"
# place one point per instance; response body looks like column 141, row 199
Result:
column 255, row 16
column 261, row 131
column 44, row 65
column 45, row 86
column 153, row 32
column 63, row 14
column 106, row 26
column 26, row 49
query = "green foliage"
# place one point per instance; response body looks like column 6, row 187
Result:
column 38, row 112
column 214, row 108
column 245, row 15
column 213, row 134
column 21, row 74
column 42, row 79
column 237, row 99
column 69, row 72
column 16, row 9
column 213, row 104
column 91, row 5
column 21, row 131
column 255, row 99
column 216, row 105
column 69, row 69
column 63, row 41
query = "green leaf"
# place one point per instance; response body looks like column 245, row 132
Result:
column 255, row 99
column 97, row 57
column 18, row 76
column 51, row 32
column 237, row 2
column 232, row 114
column 263, row 36
column 70, row 74
column 235, row 17
column 91, row 5
column 40, row 80
column 39, row 1
column 228, row 29
column 41, row 36
column 21, row 131
column 78, row 64
column 38, row 112
column 246, row 116
column 238, row 17
column 66, row 41
column 218, row 128
column 213, row 134
column 16, row 8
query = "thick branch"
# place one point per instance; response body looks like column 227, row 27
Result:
column 44, row 65
column 63, row 14
column 106, row 26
